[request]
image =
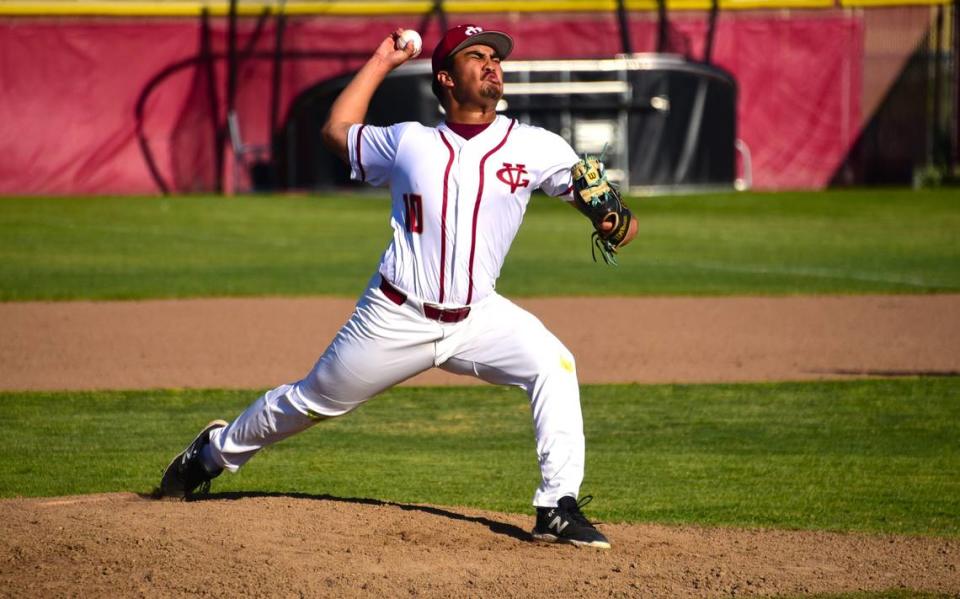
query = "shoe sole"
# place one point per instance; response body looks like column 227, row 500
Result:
column 550, row 538
column 163, row 490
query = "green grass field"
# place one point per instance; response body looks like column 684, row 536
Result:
column 876, row 241
column 879, row 456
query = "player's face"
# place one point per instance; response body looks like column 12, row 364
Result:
column 477, row 74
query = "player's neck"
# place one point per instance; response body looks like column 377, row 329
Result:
column 467, row 131
column 470, row 115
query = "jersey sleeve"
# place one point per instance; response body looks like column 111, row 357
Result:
column 556, row 179
column 373, row 151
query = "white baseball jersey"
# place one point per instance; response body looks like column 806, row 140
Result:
column 457, row 203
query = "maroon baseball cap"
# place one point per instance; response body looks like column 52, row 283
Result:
column 461, row 36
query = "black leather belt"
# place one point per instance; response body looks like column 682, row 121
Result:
column 429, row 310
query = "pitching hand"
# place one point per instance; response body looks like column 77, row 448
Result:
column 388, row 53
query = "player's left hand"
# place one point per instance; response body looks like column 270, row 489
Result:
column 594, row 196
column 607, row 227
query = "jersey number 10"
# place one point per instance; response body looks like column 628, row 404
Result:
column 413, row 206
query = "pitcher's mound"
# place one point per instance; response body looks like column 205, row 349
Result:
column 281, row 545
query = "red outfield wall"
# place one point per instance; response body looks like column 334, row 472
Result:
column 69, row 86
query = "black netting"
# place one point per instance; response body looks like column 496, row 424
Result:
column 907, row 97
column 193, row 156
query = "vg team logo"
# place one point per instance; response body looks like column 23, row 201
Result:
column 514, row 176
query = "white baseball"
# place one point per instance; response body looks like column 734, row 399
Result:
column 407, row 36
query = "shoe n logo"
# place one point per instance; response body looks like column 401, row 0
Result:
column 558, row 524
column 513, row 176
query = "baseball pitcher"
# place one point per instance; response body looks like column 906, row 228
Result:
column 459, row 192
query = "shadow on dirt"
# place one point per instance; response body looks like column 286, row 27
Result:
column 500, row 528
column 889, row 373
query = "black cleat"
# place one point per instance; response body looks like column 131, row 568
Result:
column 567, row 524
column 186, row 472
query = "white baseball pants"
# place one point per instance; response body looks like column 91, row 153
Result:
column 383, row 344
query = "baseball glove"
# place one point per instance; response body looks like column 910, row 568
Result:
column 596, row 198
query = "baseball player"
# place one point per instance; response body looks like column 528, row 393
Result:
column 459, row 191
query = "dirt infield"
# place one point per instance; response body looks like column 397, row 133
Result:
column 256, row 545
column 120, row 544
column 249, row 343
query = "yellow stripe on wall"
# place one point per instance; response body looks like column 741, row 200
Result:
column 189, row 8
column 887, row 3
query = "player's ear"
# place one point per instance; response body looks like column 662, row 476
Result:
column 444, row 79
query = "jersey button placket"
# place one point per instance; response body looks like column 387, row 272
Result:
column 454, row 249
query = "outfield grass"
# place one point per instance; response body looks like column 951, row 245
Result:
column 890, row 241
column 879, row 456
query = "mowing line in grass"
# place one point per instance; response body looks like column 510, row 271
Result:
column 876, row 241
